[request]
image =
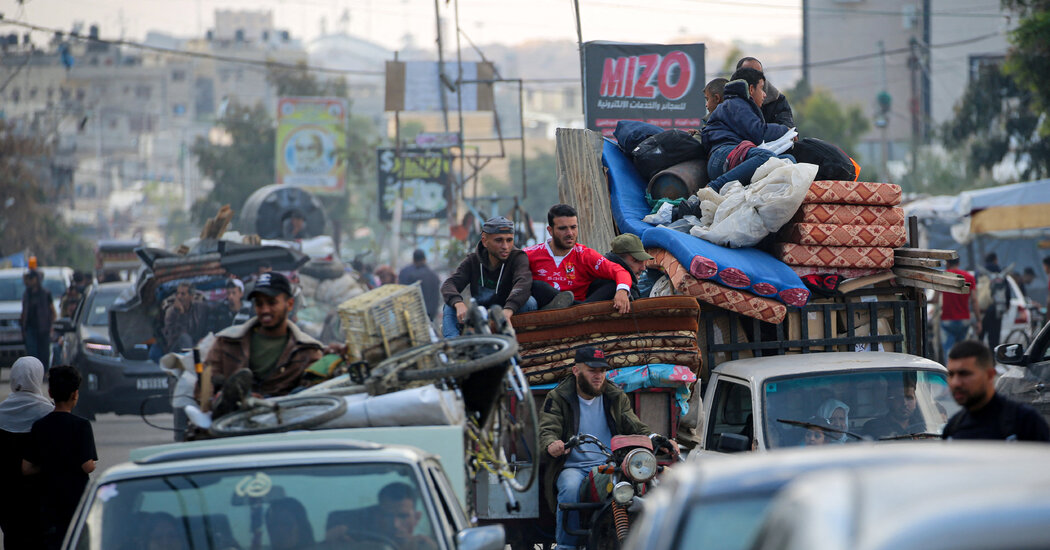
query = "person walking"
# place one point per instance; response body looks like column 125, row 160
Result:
column 958, row 311
column 19, row 517
column 38, row 314
column 428, row 281
column 60, row 454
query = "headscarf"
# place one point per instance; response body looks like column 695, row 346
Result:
column 826, row 410
column 27, row 402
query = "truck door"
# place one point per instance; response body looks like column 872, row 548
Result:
column 730, row 413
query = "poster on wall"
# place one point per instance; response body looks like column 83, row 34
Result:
column 310, row 133
column 659, row 84
column 419, row 177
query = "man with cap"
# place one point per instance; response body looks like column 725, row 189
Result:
column 497, row 273
column 268, row 354
column 628, row 252
column 584, row 403
column 234, row 310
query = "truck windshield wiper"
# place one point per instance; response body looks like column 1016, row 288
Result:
column 916, row 435
column 828, row 429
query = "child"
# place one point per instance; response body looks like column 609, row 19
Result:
column 735, row 120
column 62, row 451
column 713, row 93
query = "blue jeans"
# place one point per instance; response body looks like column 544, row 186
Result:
column 755, row 157
column 952, row 332
column 450, row 325
column 38, row 344
column 569, row 481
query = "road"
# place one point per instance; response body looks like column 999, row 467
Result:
column 115, row 435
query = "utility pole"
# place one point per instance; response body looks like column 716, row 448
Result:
column 805, row 41
column 914, row 104
column 441, row 65
column 579, row 46
column 885, row 101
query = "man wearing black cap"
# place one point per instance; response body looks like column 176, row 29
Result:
column 498, row 275
column 268, row 354
column 584, row 403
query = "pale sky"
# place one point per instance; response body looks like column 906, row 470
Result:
column 388, row 21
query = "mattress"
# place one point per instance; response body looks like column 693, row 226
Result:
column 555, row 371
column 826, row 234
column 849, row 214
column 853, row 192
column 626, row 191
column 873, row 257
column 844, row 272
column 739, row 268
column 739, row 301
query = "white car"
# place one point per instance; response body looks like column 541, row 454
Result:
column 56, row 280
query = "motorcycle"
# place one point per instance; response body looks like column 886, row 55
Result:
column 613, row 494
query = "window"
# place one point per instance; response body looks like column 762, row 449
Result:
column 178, row 75
column 97, row 310
column 143, row 91
column 731, row 412
column 299, row 506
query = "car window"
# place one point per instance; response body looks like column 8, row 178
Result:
column 97, row 309
column 722, row 524
column 731, row 412
column 877, row 404
column 57, row 287
column 276, row 507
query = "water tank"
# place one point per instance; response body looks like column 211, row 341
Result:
column 267, row 212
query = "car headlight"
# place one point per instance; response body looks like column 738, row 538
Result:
column 639, row 465
column 99, row 349
column 623, row 492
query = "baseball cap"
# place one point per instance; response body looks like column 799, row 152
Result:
column 272, row 283
column 629, row 243
column 496, row 225
column 592, row 357
column 230, row 283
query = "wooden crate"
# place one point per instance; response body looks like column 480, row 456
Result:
column 385, row 320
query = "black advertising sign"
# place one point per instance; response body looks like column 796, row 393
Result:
column 659, row 84
column 419, row 177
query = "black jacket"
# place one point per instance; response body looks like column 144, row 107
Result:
column 737, row 119
column 778, row 111
column 513, row 276
column 615, row 258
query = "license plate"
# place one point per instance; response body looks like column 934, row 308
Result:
column 152, row 383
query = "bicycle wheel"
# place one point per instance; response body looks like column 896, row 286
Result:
column 460, row 356
column 340, row 385
column 286, row 414
column 519, row 438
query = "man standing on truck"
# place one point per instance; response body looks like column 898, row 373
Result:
column 497, row 273
column 38, row 314
column 584, row 403
column 985, row 414
column 561, row 266
column 268, row 354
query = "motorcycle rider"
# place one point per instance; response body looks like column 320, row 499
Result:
column 582, row 403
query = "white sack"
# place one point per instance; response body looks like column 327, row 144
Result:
column 748, row 214
column 424, row 406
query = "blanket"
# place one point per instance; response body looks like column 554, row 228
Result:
column 854, row 192
column 835, row 256
column 826, row 234
column 850, row 214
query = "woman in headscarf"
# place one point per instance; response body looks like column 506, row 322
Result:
column 837, row 414
column 26, row 404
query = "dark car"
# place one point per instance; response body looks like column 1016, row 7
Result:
column 112, row 382
column 1027, row 376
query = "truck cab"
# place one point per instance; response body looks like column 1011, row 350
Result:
column 770, row 402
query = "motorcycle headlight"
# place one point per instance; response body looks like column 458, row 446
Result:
column 623, row 492
column 639, row 465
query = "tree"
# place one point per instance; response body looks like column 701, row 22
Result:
column 818, row 115
column 1029, row 59
column 27, row 211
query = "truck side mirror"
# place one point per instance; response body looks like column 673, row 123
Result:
column 1009, row 354
column 733, row 443
column 488, row 537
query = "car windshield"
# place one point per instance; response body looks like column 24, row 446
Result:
column 847, row 406
column 97, row 309
column 316, row 506
column 12, row 288
column 723, row 524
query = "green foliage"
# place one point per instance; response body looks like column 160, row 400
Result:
column 28, row 221
column 238, row 165
column 939, row 172
column 818, row 115
column 995, row 118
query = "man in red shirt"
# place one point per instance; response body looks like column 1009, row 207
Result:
column 561, row 264
column 956, row 311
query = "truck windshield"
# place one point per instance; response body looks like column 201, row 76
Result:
column 316, row 506
column 832, row 408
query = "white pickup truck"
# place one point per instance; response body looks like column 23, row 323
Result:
column 770, row 402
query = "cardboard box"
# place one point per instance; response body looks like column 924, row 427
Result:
column 861, row 316
column 814, row 323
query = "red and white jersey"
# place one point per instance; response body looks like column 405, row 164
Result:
column 575, row 270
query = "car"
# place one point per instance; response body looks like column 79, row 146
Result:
column 999, row 498
column 1027, row 375
column 112, row 382
column 720, row 502
column 56, row 280
column 326, row 483
column 765, row 402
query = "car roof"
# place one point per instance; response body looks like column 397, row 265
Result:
column 277, row 449
column 897, row 505
column 717, row 474
column 761, row 368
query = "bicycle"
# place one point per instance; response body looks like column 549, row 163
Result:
column 280, row 414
